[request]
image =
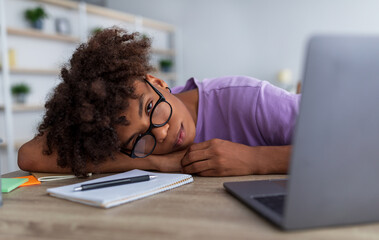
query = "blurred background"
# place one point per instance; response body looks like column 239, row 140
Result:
column 265, row 39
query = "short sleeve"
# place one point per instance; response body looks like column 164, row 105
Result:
column 276, row 114
column 190, row 84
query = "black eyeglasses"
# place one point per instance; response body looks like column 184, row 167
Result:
column 160, row 115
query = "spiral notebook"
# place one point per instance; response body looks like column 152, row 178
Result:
column 116, row 195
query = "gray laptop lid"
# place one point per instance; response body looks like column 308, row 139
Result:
column 334, row 172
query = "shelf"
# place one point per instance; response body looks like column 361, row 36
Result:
column 17, row 144
column 166, row 75
column 158, row 25
column 35, row 71
column 25, row 107
column 40, row 34
column 169, row 52
column 101, row 11
column 129, row 18
column 60, row 3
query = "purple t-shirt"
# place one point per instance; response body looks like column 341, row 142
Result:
column 243, row 110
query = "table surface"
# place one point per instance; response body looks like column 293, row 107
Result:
column 199, row 210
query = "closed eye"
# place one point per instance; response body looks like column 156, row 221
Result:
column 130, row 142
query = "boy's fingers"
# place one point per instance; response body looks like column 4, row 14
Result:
column 197, row 152
column 198, row 167
column 199, row 146
column 194, row 156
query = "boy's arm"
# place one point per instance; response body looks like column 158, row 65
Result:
column 218, row 157
column 32, row 159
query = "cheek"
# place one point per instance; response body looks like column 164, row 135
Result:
column 191, row 132
column 189, row 125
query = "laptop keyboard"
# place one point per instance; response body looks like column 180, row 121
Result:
column 275, row 203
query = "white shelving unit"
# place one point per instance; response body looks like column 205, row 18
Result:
column 40, row 53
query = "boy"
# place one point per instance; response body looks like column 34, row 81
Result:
column 110, row 115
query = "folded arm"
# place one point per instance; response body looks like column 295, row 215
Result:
column 215, row 157
column 32, row 159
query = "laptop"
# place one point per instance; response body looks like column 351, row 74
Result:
column 334, row 168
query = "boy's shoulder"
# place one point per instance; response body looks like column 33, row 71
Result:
column 230, row 82
column 225, row 83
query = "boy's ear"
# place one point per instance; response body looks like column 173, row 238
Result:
column 156, row 81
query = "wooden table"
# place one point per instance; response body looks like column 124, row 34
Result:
column 199, row 210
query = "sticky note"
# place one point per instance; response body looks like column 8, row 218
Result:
column 8, row 184
column 31, row 181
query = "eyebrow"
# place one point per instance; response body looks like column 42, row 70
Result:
column 141, row 100
column 140, row 108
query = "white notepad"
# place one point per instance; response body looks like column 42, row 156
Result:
column 116, row 195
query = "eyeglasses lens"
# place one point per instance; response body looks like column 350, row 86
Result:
column 161, row 114
column 144, row 146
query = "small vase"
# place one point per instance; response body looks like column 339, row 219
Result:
column 38, row 24
column 165, row 69
column 20, row 98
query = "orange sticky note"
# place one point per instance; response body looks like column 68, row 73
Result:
column 31, row 181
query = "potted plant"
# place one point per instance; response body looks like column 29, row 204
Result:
column 165, row 65
column 19, row 92
column 96, row 30
column 35, row 16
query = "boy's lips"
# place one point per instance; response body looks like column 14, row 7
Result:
column 180, row 137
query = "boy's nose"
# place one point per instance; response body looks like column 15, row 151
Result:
column 160, row 133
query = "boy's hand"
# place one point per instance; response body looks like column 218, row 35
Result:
column 218, row 157
column 168, row 162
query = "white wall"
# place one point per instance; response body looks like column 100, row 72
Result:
column 252, row 37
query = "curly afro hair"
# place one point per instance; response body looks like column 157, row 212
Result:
column 82, row 112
